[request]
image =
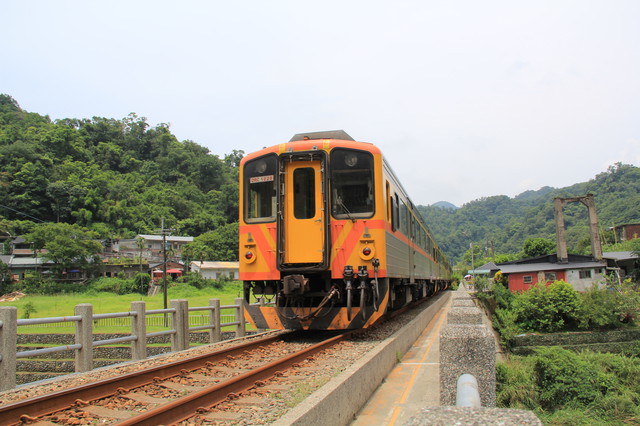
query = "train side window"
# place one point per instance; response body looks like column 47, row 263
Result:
column 351, row 183
column 394, row 212
column 260, row 189
column 388, row 193
column 304, row 193
column 404, row 219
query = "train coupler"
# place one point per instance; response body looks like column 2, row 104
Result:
column 295, row 284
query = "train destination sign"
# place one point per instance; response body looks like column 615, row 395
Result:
column 258, row 179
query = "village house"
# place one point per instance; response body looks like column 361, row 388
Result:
column 627, row 231
column 582, row 272
column 150, row 246
column 217, row 270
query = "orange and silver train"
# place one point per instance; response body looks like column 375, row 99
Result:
column 328, row 236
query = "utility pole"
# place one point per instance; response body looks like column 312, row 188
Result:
column 164, row 232
column 473, row 267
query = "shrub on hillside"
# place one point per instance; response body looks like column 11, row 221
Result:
column 548, row 309
column 564, row 387
column 115, row 285
column 504, row 297
column 45, row 286
column 504, row 320
column 598, row 310
column 195, row 279
column 564, row 377
column 141, row 282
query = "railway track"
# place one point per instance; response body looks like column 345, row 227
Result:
column 174, row 392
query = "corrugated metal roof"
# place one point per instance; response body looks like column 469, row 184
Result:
column 28, row 261
column 619, row 255
column 169, row 238
column 216, row 265
column 538, row 267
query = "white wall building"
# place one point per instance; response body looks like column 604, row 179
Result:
column 217, row 270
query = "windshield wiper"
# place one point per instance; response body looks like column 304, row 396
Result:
column 341, row 204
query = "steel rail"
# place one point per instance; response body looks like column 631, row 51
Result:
column 188, row 406
column 12, row 413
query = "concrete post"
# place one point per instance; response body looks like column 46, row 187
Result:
column 180, row 322
column 460, row 302
column 8, row 344
column 596, row 246
column 561, row 241
column 464, row 315
column 467, row 349
column 241, row 326
column 139, row 329
column 215, row 334
column 84, row 337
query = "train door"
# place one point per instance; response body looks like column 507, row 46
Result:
column 303, row 236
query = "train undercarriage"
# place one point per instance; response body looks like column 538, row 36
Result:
column 315, row 301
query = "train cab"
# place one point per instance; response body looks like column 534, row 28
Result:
column 315, row 222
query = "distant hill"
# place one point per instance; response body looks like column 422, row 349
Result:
column 444, row 205
column 504, row 223
column 535, row 196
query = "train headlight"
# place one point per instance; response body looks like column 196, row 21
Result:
column 367, row 251
column 249, row 256
column 350, row 159
column 261, row 166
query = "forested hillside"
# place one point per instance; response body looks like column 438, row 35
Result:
column 503, row 224
column 119, row 178
column 115, row 177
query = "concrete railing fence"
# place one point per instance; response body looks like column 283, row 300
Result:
column 467, row 347
column 84, row 320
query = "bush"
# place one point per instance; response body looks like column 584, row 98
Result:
column 516, row 387
column 504, row 321
column 141, row 282
column 46, row 286
column 195, row 279
column 563, row 378
column 504, row 297
column 566, row 388
column 548, row 309
column 115, row 285
column 598, row 310
column 627, row 300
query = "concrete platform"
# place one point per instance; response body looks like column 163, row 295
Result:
column 412, row 385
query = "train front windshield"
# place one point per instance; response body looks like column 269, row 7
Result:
column 260, row 189
column 351, row 184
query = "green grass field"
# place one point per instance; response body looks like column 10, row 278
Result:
column 38, row 306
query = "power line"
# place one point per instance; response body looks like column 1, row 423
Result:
column 22, row 213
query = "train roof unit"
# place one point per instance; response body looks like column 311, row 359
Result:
column 327, row 134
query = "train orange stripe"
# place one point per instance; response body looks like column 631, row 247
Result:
column 350, row 241
column 263, row 246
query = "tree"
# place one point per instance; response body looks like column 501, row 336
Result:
column 5, row 277
column 220, row 245
column 68, row 246
column 534, row 247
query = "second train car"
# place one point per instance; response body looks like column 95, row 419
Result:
column 328, row 236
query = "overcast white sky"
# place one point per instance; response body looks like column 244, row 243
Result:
column 465, row 98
